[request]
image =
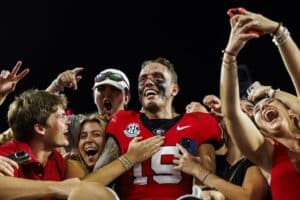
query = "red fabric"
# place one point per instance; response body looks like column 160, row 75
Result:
column 285, row 181
column 69, row 112
column 155, row 177
column 55, row 168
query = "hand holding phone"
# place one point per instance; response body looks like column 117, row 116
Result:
column 240, row 11
column 190, row 145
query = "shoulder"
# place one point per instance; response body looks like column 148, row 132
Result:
column 200, row 116
column 125, row 114
column 75, row 169
column 13, row 146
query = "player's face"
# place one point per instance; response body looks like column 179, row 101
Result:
column 155, row 86
column 91, row 142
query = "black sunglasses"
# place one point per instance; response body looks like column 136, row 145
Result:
column 111, row 75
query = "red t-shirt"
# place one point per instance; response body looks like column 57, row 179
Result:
column 54, row 170
column 285, row 180
column 155, row 177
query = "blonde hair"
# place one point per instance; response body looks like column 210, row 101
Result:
column 94, row 117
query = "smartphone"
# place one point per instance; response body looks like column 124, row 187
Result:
column 240, row 11
column 20, row 157
column 190, row 145
column 253, row 86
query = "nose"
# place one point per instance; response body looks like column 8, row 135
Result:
column 106, row 92
column 89, row 138
column 149, row 81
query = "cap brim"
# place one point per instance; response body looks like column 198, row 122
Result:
column 118, row 85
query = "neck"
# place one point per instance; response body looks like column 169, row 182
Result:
column 40, row 151
column 161, row 114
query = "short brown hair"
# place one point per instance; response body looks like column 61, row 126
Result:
column 31, row 107
column 166, row 63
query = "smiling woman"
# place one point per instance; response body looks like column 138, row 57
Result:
column 90, row 143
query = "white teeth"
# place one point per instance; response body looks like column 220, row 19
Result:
column 150, row 92
column 90, row 149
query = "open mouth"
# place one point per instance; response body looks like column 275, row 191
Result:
column 149, row 93
column 270, row 115
column 108, row 105
column 90, row 152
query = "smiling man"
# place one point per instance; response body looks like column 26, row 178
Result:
column 39, row 124
column 155, row 178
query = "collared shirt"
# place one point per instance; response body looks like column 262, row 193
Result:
column 53, row 170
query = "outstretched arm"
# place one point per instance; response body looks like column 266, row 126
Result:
column 240, row 127
column 137, row 152
column 19, row 188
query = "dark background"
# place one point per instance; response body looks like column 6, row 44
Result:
column 52, row 36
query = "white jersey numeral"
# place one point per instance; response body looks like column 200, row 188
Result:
column 164, row 173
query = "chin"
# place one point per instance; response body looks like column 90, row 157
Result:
column 152, row 107
column 65, row 143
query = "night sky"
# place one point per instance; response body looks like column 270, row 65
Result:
column 53, row 36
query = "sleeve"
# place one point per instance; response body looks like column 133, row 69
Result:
column 213, row 132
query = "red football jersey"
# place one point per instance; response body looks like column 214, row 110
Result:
column 155, row 177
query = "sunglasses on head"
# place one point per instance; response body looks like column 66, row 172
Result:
column 111, row 75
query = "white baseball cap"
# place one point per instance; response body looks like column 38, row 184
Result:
column 112, row 77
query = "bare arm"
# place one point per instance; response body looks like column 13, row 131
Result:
column 290, row 55
column 254, row 185
column 240, row 127
column 19, row 188
column 289, row 99
column 138, row 151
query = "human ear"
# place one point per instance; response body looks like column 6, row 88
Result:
column 39, row 129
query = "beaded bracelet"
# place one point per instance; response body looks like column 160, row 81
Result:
column 279, row 40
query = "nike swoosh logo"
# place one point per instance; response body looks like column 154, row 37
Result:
column 180, row 128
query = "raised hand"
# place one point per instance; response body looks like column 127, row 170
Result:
column 69, row 78
column 195, row 107
column 214, row 103
column 9, row 80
